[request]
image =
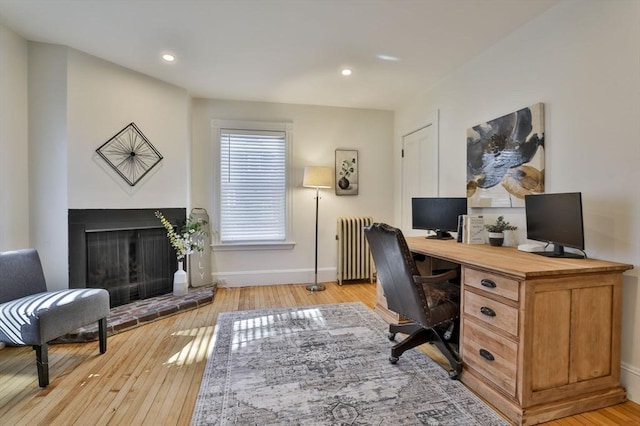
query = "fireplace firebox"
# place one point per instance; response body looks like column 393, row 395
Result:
column 125, row 251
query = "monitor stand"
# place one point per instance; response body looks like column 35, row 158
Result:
column 440, row 235
column 558, row 251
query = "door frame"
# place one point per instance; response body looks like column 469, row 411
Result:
column 432, row 119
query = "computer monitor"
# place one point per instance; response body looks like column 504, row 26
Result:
column 439, row 215
column 556, row 219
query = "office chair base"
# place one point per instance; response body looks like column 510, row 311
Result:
column 420, row 336
column 404, row 328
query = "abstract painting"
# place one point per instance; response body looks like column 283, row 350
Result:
column 505, row 159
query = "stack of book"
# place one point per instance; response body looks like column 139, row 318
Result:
column 471, row 229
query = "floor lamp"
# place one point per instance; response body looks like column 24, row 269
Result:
column 317, row 177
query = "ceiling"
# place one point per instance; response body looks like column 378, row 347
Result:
column 289, row 51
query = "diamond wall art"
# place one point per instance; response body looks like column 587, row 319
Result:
column 130, row 154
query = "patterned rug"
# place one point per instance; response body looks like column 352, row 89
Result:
column 325, row 365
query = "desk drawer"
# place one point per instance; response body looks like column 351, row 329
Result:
column 491, row 283
column 491, row 355
column 491, row 312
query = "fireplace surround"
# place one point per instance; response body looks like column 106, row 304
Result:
column 125, row 251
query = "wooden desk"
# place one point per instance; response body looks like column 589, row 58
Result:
column 552, row 349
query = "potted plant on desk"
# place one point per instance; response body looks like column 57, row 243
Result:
column 496, row 231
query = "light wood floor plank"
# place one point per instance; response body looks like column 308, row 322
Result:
column 171, row 399
column 142, row 384
column 118, row 374
column 151, row 374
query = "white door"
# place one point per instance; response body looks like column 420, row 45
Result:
column 419, row 171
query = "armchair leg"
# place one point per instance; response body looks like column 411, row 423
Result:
column 42, row 362
column 42, row 354
column 102, row 334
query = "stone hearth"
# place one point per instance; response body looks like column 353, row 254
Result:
column 141, row 312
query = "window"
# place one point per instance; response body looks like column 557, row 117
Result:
column 252, row 185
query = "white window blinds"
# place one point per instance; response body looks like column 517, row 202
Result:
column 252, row 186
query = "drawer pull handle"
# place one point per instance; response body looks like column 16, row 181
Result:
column 488, row 283
column 488, row 311
column 487, row 355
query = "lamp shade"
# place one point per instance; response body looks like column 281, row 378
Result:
column 318, row 177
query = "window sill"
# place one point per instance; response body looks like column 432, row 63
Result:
column 282, row 245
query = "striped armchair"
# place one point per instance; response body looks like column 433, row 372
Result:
column 31, row 315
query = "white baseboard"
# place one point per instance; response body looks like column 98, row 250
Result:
column 272, row 277
column 630, row 379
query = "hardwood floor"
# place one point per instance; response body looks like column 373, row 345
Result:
column 151, row 375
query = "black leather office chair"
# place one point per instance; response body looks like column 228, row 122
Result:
column 431, row 303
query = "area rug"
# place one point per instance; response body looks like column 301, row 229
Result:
column 325, row 365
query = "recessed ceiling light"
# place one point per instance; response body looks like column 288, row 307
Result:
column 346, row 72
column 388, row 57
column 168, row 57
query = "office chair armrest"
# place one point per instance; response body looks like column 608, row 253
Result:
column 431, row 279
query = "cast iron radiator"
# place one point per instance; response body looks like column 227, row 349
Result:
column 354, row 255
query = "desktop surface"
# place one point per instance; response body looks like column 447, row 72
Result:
column 509, row 259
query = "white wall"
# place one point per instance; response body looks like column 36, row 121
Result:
column 582, row 60
column 76, row 103
column 102, row 99
column 318, row 131
column 14, row 171
column 48, row 160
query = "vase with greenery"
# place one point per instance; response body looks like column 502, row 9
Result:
column 496, row 231
column 347, row 168
column 184, row 242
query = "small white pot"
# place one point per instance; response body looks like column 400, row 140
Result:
column 496, row 238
